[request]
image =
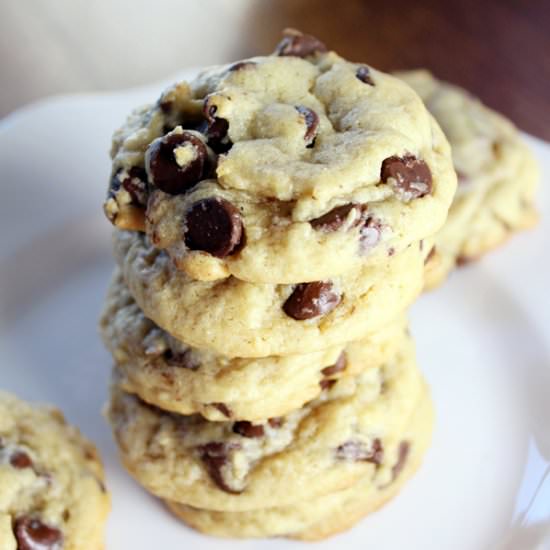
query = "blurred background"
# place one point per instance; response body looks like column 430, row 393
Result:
column 499, row 49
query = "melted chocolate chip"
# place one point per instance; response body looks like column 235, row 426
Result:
column 312, row 122
column 402, row 455
column 216, row 129
column 363, row 74
column 411, row 177
column 358, row 452
column 182, row 360
column 369, row 234
column 327, row 383
column 339, row 366
column 165, row 105
column 241, row 65
column 223, row 408
column 247, row 429
column 20, row 460
column 32, row 534
column 335, row 218
column 311, row 300
column 297, row 44
column 215, row 226
column 175, row 175
column 214, row 457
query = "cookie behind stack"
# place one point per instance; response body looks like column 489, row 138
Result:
column 497, row 176
column 273, row 219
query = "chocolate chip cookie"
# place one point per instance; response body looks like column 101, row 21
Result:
column 497, row 175
column 176, row 377
column 284, row 169
column 353, row 430
column 52, row 490
column 329, row 514
column 240, row 319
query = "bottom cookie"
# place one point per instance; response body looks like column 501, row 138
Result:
column 323, row 516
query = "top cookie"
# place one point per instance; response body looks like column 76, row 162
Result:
column 282, row 169
column 52, row 492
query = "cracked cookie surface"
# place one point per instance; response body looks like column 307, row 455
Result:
column 354, row 429
column 52, row 491
column 497, row 175
column 175, row 377
column 282, row 169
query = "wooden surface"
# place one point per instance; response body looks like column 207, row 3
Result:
column 500, row 50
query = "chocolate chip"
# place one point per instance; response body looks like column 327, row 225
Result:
column 241, row 65
column 369, row 234
column 136, row 184
column 402, row 455
column 165, row 105
column 275, row 422
column 216, row 129
column 311, row 300
column 214, row 457
column 358, row 452
column 247, row 429
column 312, row 122
column 339, row 366
column 134, row 181
column 430, row 255
column 32, row 534
column 223, row 408
column 215, row 226
column 411, row 177
column 20, row 460
column 184, row 360
column 335, row 218
column 327, row 383
column 363, row 74
column 176, row 162
column 297, row 44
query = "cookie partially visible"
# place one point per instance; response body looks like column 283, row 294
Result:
column 497, row 175
column 52, row 485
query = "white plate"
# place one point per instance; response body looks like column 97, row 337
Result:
column 483, row 342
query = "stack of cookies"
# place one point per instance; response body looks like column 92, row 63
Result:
column 273, row 218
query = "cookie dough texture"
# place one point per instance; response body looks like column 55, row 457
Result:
column 324, row 516
column 352, row 431
column 303, row 137
column 497, row 175
column 52, row 491
column 175, row 377
column 240, row 319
